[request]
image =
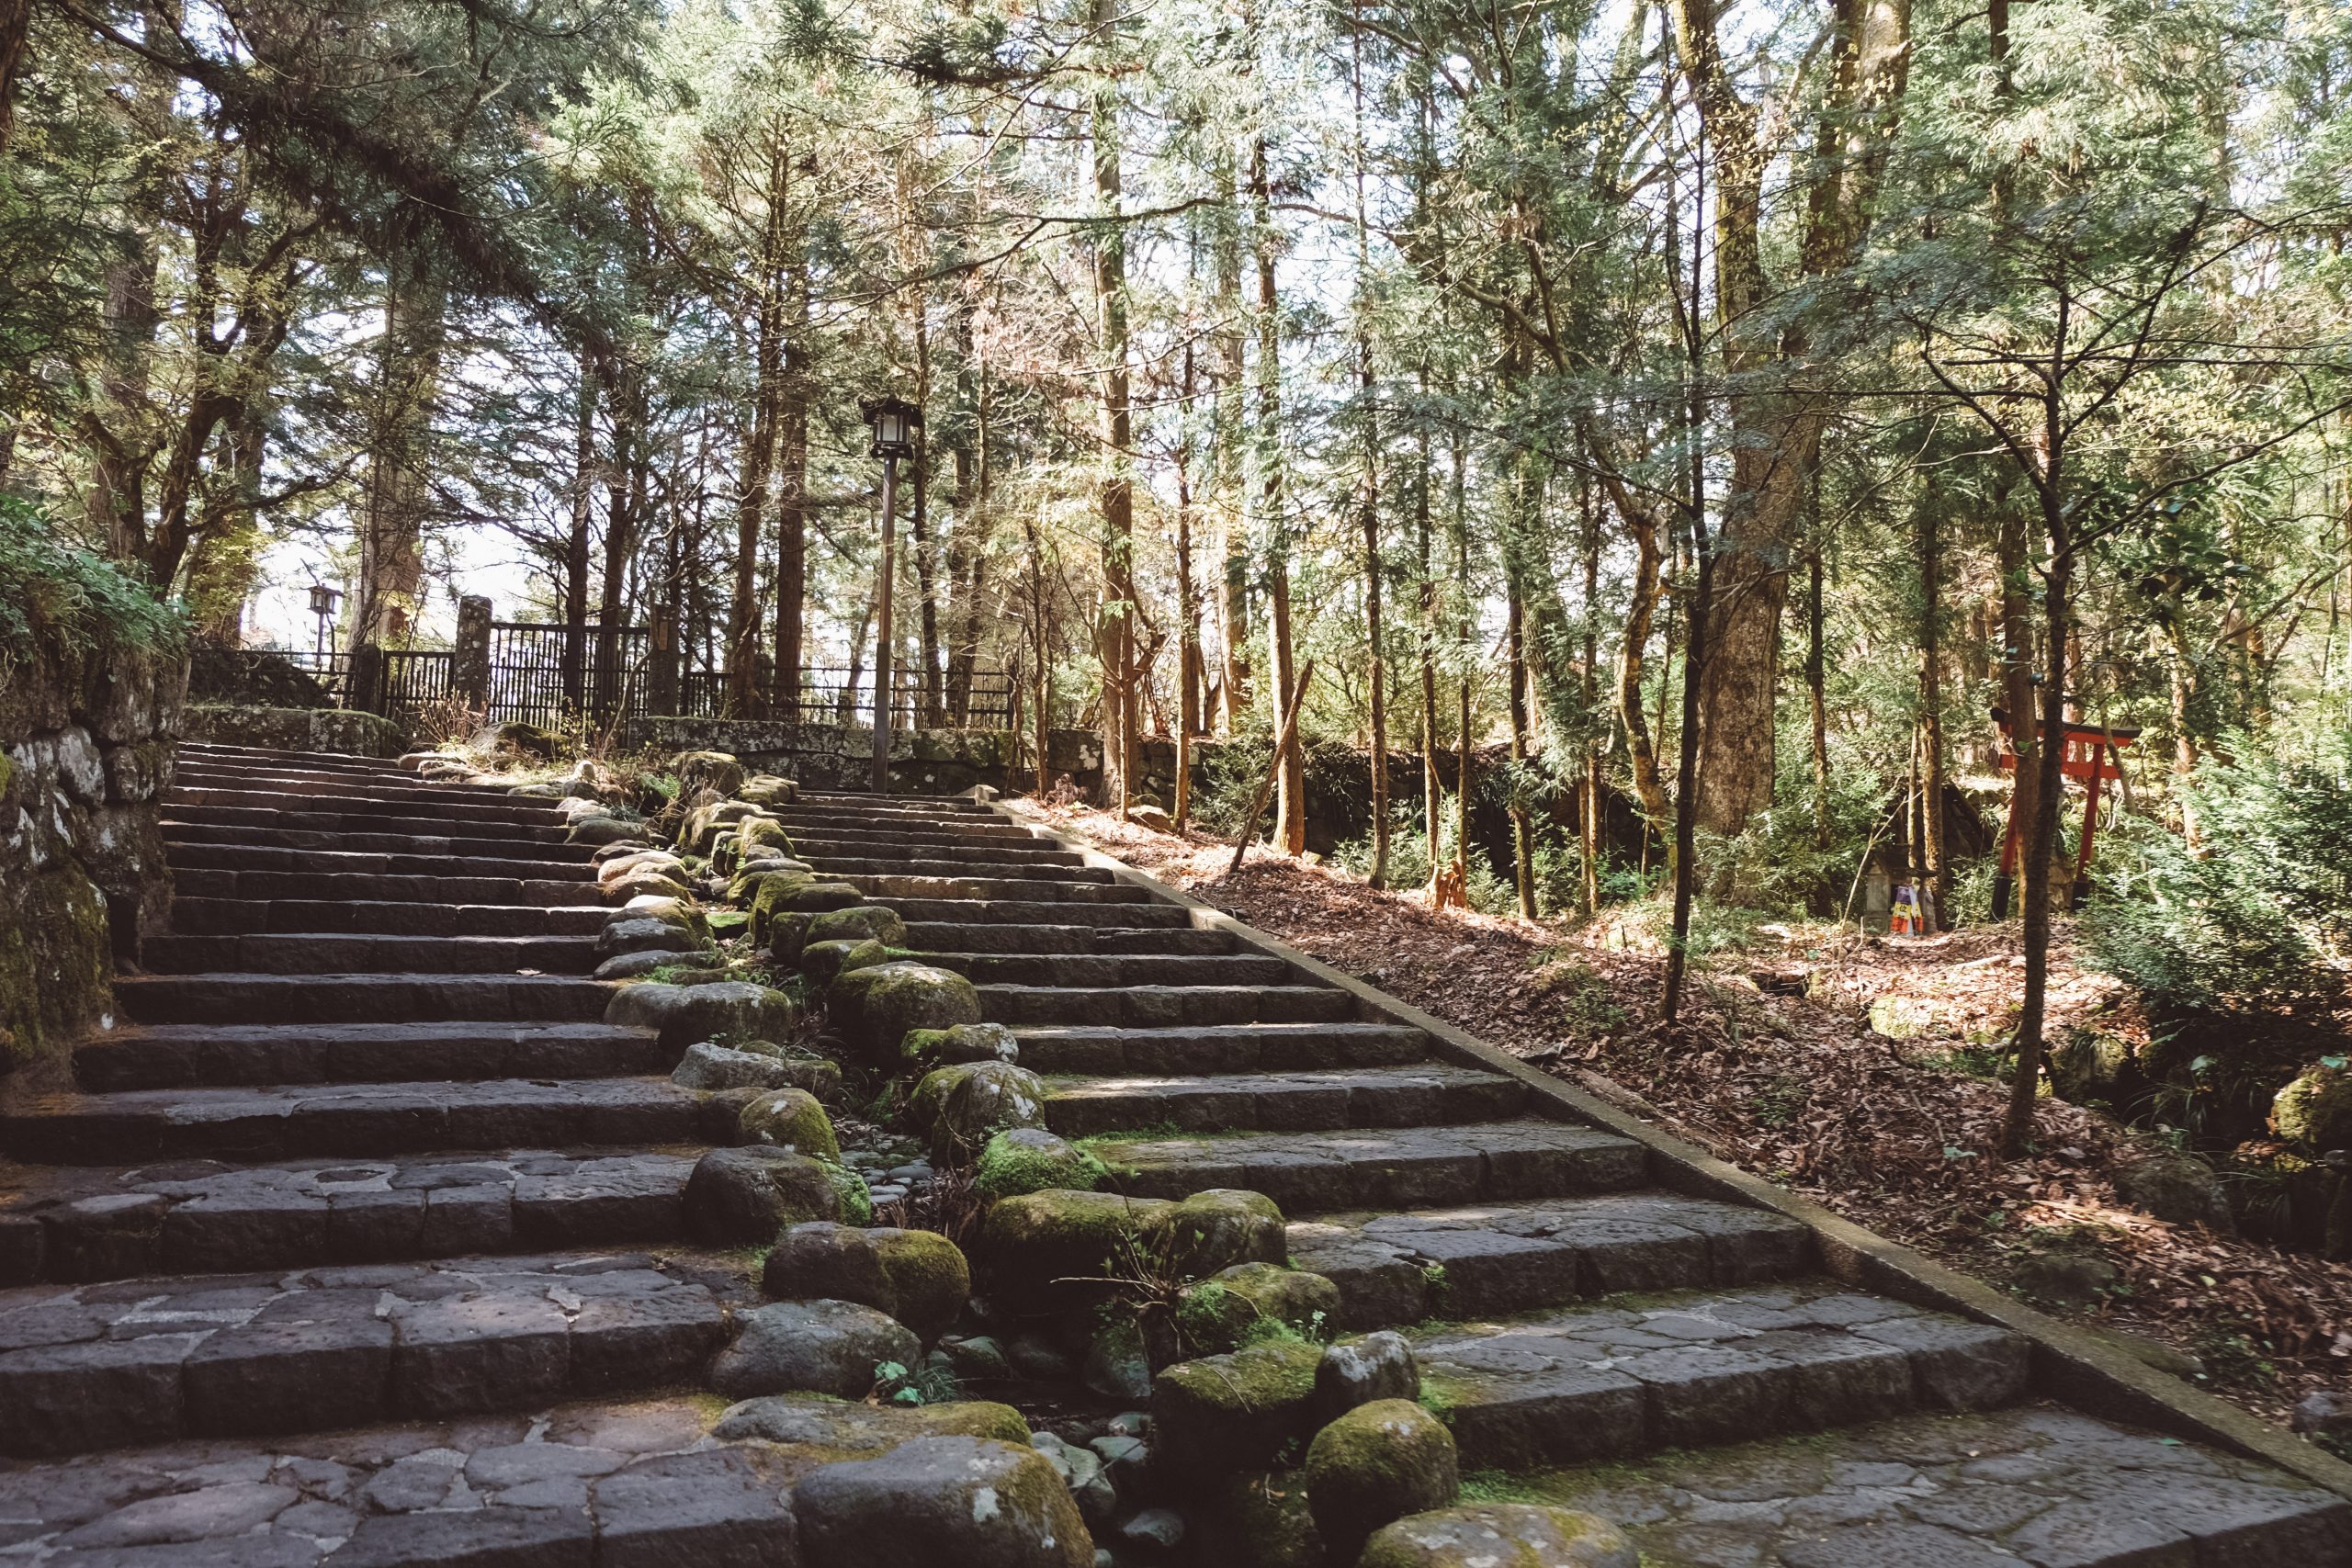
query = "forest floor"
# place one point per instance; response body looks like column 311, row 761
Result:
column 1777, row 1068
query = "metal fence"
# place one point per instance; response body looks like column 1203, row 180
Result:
column 532, row 678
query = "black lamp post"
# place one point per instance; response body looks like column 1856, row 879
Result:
column 322, row 603
column 897, row 425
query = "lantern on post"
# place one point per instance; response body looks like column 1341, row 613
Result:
column 897, row 425
column 322, row 603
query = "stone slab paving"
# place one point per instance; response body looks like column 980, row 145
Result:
column 1404, row 1168
column 2036, row 1485
column 174, row 1055
column 1358, row 1097
column 1482, row 1259
column 142, row 1360
column 1630, row 1376
column 93, row 1223
column 268, row 1122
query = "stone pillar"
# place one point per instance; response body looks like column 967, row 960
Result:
column 469, row 658
column 363, row 687
column 661, row 683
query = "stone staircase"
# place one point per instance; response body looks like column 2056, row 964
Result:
column 360, row 1239
column 1569, row 1312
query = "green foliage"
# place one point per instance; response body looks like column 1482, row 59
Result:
column 54, row 593
column 2264, row 920
column 925, row 1384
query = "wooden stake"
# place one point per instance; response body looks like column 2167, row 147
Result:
column 1266, row 786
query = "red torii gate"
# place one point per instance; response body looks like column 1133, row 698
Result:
column 2094, row 754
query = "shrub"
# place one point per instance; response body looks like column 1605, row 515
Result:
column 56, row 593
column 2263, row 919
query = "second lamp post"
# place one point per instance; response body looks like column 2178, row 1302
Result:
column 896, row 423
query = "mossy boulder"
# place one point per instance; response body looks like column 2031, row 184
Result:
column 858, row 923
column 595, row 831
column 816, row 898
column 1377, row 1463
column 921, row 1050
column 818, row 1346
column 1034, row 1248
column 1256, row 1520
column 1219, row 1414
column 2177, row 1187
column 808, row 1421
column 56, row 964
column 792, row 1119
column 941, row 1500
column 634, row 935
column 1214, row 1230
column 2316, row 1109
column 754, row 831
column 917, row 1276
column 769, row 790
column 730, row 1009
column 715, row 773
column 825, row 962
column 744, row 1197
column 709, row 1066
column 1500, row 1535
column 1227, row 1310
column 962, row 1107
column 1030, row 1159
column 874, row 1008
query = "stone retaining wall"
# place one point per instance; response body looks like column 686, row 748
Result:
column 296, row 730
column 85, row 752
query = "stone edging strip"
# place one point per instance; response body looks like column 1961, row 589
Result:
column 2078, row 1368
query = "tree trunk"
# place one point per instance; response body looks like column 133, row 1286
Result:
column 1290, row 793
column 1589, row 517
column 398, row 492
column 1522, row 852
column 1227, row 460
column 1817, row 677
column 1935, row 871
column 792, row 518
column 575, row 544
column 1115, row 632
column 1433, row 793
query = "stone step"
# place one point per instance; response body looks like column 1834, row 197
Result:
column 860, row 829
column 1305, row 1173
column 1108, row 970
column 161, row 1359
column 550, row 832
column 964, row 859
column 1070, row 888
column 1483, row 1261
column 359, row 999
column 418, row 801
column 332, row 785
column 1577, row 1385
column 1153, row 1006
column 1099, row 1051
column 1993, row 1489
column 268, row 886
column 957, row 868
column 387, row 841
column 638, row 1482
column 199, row 916
column 296, row 1121
column 319, row 952
column 221, row 750
column 263, row 857
column 948, row 936
column 81, row 1224
column 1134, row 914
column 911, row 805
column 176, row 1055
column 1427, row 1095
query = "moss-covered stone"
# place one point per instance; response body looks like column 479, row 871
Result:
column 56, row 964
column 754, row 831
column 815, row 897
column 944, row 1500
column 930, row 1280
column 734, row 1010
column 824, row 962
column 1033, row 1248
column 873, row 1009
column 960, row 1108
column 1030, row 1159
column 715, row 773
column 921, row 1050
column 790, row 1119
column 769, row 790
column 745, row 1197
column 2316, row 1109
column 1219, row 1228
column 853, row 1428
column 1500, row 1535
column 1236, row 1305
column 1378, row 1462
column 1256, row 1521
column 1219, row 1414
column 858, row 922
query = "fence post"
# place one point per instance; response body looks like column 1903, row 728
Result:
column 662, row 686
column 470, row 656
column 367, row 678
